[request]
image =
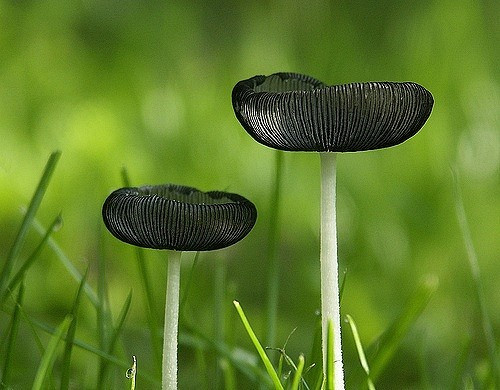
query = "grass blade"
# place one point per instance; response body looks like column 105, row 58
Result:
column 14, row 326
column 390, row 340
column 28, row 219
column 273, row 280
column 298, row 373
column 260, row 350
column 121, row 321
column 70, row 337
column 31, row 259
column 361, row 353
column 49, row 356
column 478, row 285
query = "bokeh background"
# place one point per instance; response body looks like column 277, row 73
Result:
column 146, row 85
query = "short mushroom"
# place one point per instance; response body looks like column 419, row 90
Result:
column 177, row 218
column 294, row 112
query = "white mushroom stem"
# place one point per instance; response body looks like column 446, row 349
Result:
column 170, row 330
column 330, row 299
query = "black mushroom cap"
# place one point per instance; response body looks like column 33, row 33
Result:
column 178, row 217
column 290, row 111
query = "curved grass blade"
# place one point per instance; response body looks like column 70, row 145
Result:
column 361, row 353
column 385, row 347
column 70, row 337
column 22, row 270
column 28, row 219
column 14, row 326
column 478, row 284
column 298, row 373
column 260, row 350
column 49, row 356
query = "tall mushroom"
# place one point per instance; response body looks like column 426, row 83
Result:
column 177, row 218
column 294, row 112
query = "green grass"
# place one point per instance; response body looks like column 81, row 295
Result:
column 286, row 375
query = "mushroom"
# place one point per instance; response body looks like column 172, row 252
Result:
column 177, row 218
column 295, row 112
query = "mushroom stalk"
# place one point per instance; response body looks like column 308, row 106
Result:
column 330, row 299
column 170, row 330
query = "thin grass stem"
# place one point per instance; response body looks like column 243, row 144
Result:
column 361, row 352
column 273, row 280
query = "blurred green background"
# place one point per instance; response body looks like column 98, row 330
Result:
column 147, row 85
